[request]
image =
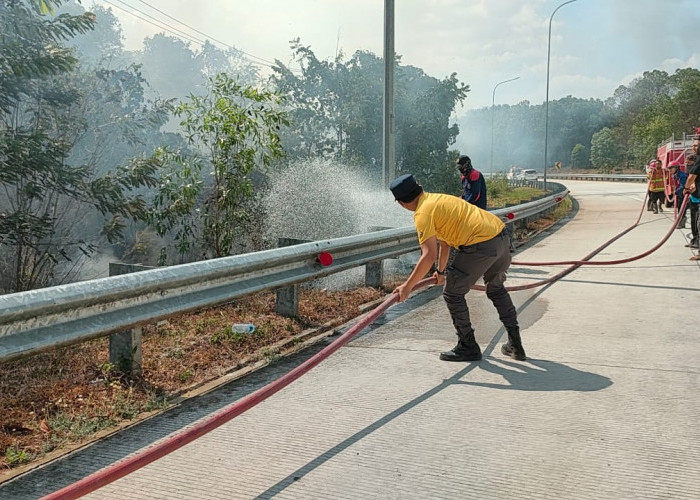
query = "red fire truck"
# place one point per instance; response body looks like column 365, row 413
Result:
column 676, row 149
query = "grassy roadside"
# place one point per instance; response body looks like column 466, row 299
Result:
column 501, row 194
column 55, row 401
column 59, row 399
column 535, row 227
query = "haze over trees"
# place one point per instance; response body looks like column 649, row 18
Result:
column 336, row 111
column 56, row 208
column 164, row 154
column 639, row 117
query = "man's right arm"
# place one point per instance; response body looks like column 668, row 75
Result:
column 690, row 183
column 429, row 251
column 692, row 175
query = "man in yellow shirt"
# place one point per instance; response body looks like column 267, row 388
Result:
column 443, row 221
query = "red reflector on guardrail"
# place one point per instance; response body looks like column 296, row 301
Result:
column 325, row 259
column 511, row 216
column 558, row 199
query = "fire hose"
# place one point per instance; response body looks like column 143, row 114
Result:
column 218, row 418
column 585, row 260
column 575, row 264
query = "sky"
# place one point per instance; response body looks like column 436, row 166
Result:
column 596, row 45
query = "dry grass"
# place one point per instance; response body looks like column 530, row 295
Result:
column 64, row 397
column 545, row 222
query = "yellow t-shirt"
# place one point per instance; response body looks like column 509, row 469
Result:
column 453, row 220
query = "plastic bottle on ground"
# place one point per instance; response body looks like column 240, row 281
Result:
column 243, row 327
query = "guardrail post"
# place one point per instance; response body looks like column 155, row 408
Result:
column 510, row 229
column 125, row 350
column 287, row 303
column 374, row 271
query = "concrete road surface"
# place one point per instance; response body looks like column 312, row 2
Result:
column 606, row 406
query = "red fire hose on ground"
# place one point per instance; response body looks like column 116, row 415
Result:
column 575, row 264
column 172, row 443
column 619, row 261
column 216, row 419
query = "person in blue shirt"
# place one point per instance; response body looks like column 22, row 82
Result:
column 678, row 179
column 473, row 183
column 694, row 202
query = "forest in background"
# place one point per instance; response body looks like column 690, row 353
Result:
column 164, row 155
column 620, row 132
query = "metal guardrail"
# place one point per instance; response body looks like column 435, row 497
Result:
column 39, row 320
column 599, row 177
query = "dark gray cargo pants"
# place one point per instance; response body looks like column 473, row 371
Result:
column 491, row 260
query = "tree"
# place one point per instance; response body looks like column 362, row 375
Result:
column 203, row 193
column 578, row 156
column 112, row 120
column 687, row 98
column 605, row 151
column 46, row 215
column 423, row 131
column 447, row 179
column 43, row 190
column 316, row 98
column 652, row 109
column 519, row 131
column 651, row 126
column 336, row 112
column 174, row 69
column 641, row 93
column 103, row 45
column 30, row 45
column 364, row 100
column 573, row 121
column 171, row 67
column 231, row 61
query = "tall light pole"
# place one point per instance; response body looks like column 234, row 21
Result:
column 546, row 101
column 388, row 160
column 493, row 102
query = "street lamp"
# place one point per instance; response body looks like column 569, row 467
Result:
column 389, row 142
column 493, row 102
column 546, row 101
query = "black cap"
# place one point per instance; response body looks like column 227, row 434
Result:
column 405, row 188
column 464, row 160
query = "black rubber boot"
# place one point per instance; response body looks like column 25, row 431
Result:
column 466, row 350
column 514, row 346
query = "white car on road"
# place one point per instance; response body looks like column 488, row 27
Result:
column 528, row 175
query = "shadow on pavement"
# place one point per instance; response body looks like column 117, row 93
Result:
column 277, row 488
column 540, row 375
column 531, row 375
